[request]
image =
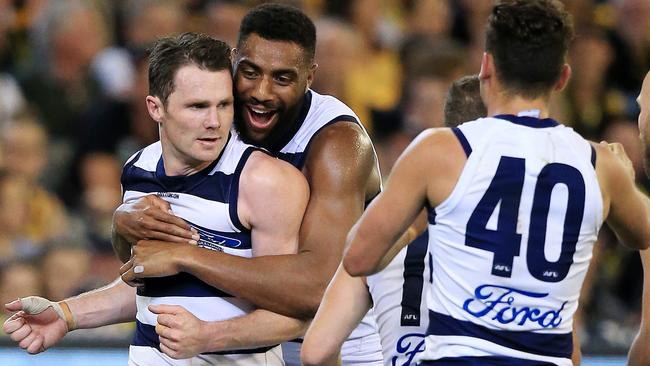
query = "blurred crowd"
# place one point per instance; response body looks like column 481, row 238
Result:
column 73, row 82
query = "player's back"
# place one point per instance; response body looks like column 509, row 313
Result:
column 512, row 243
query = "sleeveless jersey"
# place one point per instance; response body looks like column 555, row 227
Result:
column 318, row 112
column 511, row 244
column 207, row 200
column 399, row 303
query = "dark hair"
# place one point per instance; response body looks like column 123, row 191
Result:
column 463, row 102
column 277, row 22
column 171, row 53
column 529, row 40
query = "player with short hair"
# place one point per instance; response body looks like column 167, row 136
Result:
column 240, row 200
column 515, row 203
column 318, row 134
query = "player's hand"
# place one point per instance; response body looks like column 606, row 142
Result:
column 182, row 335
column 619, row 152
column 150, row 217
column 36, row 325
column 151, row 258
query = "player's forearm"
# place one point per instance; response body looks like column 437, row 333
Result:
column 345, row 303
column 111, row 304
column 290, row 285
column 261, row 328
column 121, row 246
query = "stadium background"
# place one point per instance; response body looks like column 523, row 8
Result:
column 72, row 87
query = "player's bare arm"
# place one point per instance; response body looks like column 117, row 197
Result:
column 344, row 304
column 640, row 350
column 407, row 190
column 39, row 324
column 341, row 171
column 626, row 209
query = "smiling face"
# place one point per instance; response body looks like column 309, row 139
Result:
column 271, row 78
column 195, row 122
column 644, row 121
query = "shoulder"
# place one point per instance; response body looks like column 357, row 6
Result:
column 441, row 140
column 341, row 138
column 342, row 149
column 264, row 173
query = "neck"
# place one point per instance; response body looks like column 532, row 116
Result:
column 175, row 168
column 514, row 104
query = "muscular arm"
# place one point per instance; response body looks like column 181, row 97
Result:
column 39, row 324
column 111, row 304
column 271, row 202
column 629, row 209
column 409, row 187
column 344, row 304
column 339, row 166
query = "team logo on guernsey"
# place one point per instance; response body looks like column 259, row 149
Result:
column 500, row 302
column 214, row 241
column 408, row 346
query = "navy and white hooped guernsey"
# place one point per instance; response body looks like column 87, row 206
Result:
column 318, row 112
column 207, row 200
column 511, row 245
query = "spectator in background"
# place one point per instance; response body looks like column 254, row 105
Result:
column 339, row 49
column 101, row 194
column 374, row 84
column 588, row 93
column 19, row 278
column 24, row 144
column 59, row 284
column 429, row 73
column 223, row 18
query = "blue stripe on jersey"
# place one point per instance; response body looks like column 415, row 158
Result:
column 593, row 156
column 145, row 335
column 431, row 215
column 213, row 187
column 234, row 188
column 297, row 159
column 544, row 344
column 528, row 121
column 182, row 284
column 413, row 280
column 463, row 140
column 483, row 361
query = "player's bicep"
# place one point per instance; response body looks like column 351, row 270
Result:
column 629, row 208
column 402, row 198
column 275, row 198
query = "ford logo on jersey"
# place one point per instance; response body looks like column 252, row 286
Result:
column 408, row 346
column 214, row 241
column 500, row 302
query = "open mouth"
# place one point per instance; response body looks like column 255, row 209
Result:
column 260, row 118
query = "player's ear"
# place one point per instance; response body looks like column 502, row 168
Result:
column 155, row 108
column 487, row 66
column 310, row 75
column 565, row 75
